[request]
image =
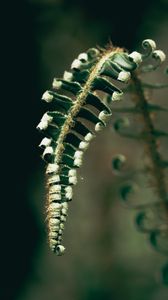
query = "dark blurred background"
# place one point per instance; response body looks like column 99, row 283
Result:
column 106, row 257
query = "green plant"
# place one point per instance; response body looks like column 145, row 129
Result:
column 80, row 111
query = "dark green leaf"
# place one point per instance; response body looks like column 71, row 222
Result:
column 93, row 100
column 124, row 61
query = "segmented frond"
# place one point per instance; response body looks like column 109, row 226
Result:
column 68, row 135
column 152, row 217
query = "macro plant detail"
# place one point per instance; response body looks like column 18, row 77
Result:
column 80, row 106
column 152, row 215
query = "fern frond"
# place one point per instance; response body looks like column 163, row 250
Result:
column 68, row 135
column 152, row 218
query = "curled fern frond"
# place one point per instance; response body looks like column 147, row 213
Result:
column 73, row 120
column 152, row 218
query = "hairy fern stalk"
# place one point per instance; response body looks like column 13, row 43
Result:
column 73, row 120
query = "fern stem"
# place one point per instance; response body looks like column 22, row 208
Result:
column 150, row 139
